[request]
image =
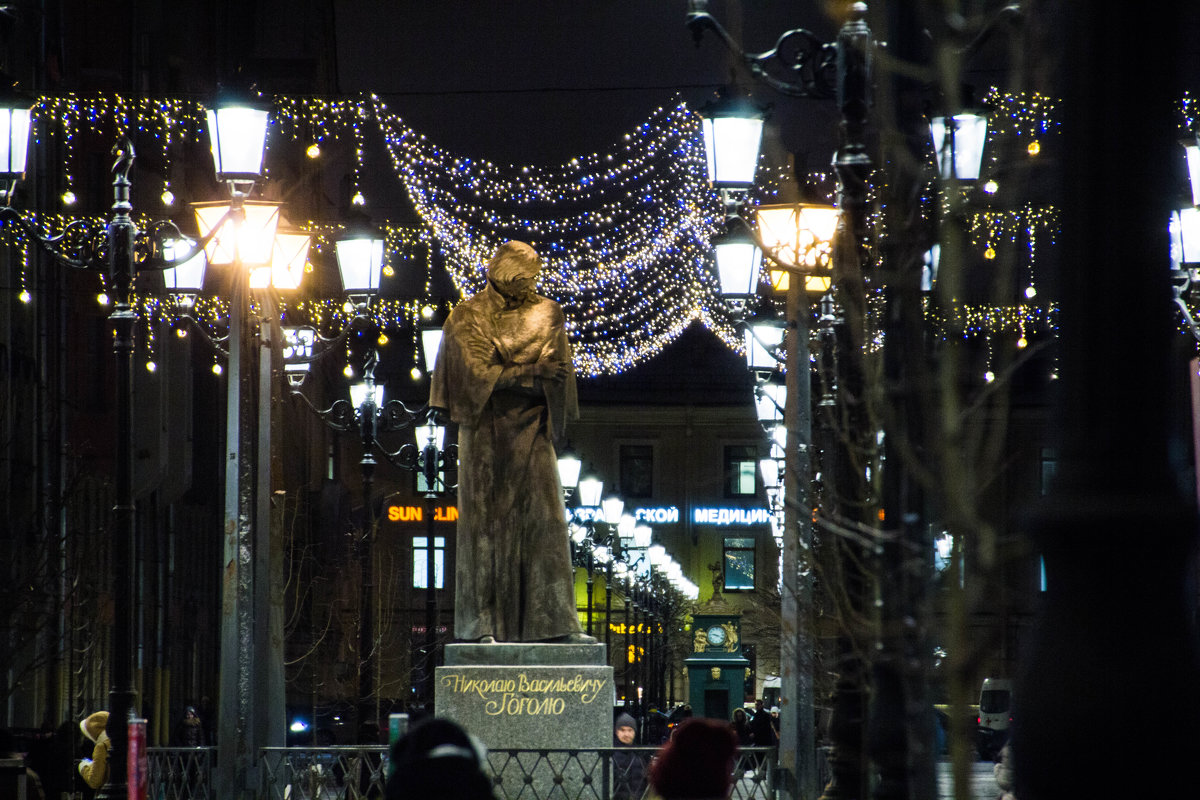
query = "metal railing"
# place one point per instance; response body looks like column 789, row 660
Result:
column 360, row 773
column 181, row 773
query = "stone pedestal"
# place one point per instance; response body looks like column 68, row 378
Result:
column 531, row 697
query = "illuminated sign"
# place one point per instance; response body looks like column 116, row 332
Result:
column 416, row 514
column 669, row 515
column 662, row 515
column 731, row 516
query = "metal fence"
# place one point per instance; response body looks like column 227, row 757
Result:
column 359, row 773
column 181, row 773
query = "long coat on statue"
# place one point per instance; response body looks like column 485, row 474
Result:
column 513, row 577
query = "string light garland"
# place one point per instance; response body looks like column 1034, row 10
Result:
column 625, row 234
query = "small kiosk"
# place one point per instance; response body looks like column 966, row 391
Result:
column 716, row 668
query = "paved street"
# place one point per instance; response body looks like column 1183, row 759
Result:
column 983, row 784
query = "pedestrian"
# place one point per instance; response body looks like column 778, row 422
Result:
column 189, row 731
column 697, row 763
column 33, row 782
column 95, row 769
column 741, row 727
column 438, row 759
column 629, row 770
column 1004, row 774
column 762, row 727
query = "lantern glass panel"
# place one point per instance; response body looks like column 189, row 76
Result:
column 731, row 147
column 237, row 135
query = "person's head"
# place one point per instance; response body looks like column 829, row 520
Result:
column 739, row 716
column 437, row 758
column 93, row 725
column 697, row 762
column 625, row 729
column 758, row 705
column 514, row 270
column 190, row 712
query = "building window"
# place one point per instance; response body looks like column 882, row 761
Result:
column 421, row 562
column 637, row 470
column 741, row 470
column 1049, row 468
column 739, row 563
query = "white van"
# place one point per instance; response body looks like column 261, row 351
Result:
column 995, row 716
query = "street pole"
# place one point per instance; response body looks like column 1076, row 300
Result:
column 269, row 720
column 431, row 467
column 797, row 737
column 590, row 582
column 368, row 703
column 121, row 697
column 237, row 706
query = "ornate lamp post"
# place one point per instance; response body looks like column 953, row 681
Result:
column 245, row 237
column 124, row 250
column 802, row 66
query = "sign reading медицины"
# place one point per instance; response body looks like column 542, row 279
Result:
column 523, row 694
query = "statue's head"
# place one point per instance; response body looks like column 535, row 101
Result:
column 514, row 270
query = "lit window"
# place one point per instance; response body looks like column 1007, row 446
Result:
column 739, row 563
column 741, row 470
column 421, row 562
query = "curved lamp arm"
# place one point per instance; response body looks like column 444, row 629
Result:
column 807, row 64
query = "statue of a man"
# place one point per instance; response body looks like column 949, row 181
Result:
column 504, row 374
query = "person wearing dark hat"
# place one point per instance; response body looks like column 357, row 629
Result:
column 95, row 769
column 189, row 732
column 629, row 771
column 437, row 758
column 697, row 763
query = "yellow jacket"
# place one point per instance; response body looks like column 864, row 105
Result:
column 95, row 769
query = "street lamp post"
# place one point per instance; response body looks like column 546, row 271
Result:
column 838, row 70
column 247, row 238
column 433, row 460
column 121, row 253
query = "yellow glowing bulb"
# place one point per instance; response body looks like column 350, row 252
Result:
column 348, row 371
column 181, row 333
column 382, row 340
column 990, row 253
column 102, row 299
column 1034, row 148
column 168, row 198
column 69, row 198
column 388, row 272
column 358, row 199
column 151, row 366
column 1022, row 343
column 313, row 151
column 427, row 312
column 24, row 296
column 217, row 370
column 416, row 374
column 991, row 187
column 989, row 376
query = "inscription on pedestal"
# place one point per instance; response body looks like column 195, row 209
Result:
column 524, row 694
column 509, row 706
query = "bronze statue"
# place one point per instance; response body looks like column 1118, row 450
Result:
column 504, row 374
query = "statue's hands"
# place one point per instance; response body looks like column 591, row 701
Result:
column 551, row 369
